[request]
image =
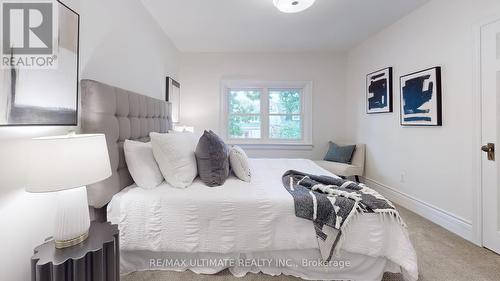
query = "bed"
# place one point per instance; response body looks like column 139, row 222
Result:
column 245, row 227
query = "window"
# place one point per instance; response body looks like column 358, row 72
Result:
column 244, row 114
column 267, row 112
column 285, row 114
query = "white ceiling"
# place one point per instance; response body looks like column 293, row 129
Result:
column 257, row 26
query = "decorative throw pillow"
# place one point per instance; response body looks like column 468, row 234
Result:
column 174, row 154
column 239, row 163
column 341, row 154
column 212, row 156
column 142, row 164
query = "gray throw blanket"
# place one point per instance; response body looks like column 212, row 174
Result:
column 331, row 203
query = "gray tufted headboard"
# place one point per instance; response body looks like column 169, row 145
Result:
column 120, row 115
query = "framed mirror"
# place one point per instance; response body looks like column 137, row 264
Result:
column 173, row 95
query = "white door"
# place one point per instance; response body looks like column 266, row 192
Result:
column 490, row 84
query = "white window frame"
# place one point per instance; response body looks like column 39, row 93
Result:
column 265, row 142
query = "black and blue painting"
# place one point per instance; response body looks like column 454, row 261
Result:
column 421, row 98
column 379, row 91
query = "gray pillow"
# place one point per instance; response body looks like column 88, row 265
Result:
column 341, row 154
column 212, row 158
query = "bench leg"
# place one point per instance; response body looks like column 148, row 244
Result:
column 357, row 178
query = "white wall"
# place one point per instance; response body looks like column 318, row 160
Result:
column 435, row 162
column 121, row 45
column 201, row 74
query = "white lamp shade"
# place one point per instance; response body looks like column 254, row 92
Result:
column 183, row 129
column 65, row 162
column 293, row 6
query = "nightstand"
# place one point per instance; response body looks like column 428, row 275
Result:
column 96, row 259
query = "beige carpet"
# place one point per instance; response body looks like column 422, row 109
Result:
column 442, row 256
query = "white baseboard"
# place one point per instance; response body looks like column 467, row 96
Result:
column 438, row 216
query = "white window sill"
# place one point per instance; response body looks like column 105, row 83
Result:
column 273, row 146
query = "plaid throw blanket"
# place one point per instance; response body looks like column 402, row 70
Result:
column 332, row 203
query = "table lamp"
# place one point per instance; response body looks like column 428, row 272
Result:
column 183, row 129
column 66, row 164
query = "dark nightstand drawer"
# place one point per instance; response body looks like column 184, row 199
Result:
column 96, row 259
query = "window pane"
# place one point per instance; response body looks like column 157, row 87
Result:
column 244, row 101
column 244, row 127
column 284, row 101
column 286, row 127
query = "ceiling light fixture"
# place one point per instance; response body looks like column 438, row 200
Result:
column 293, row 6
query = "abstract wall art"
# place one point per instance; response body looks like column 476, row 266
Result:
column 45, row 96
column 379, row 91
column 421, row 98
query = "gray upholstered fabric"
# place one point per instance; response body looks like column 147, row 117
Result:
column 120, row 115
column 340, row 154
column 212, row 157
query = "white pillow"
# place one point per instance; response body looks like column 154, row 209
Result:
column 175, row 156
column 239, row 163
column 142, row 164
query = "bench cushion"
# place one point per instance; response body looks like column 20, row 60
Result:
column 340, row 169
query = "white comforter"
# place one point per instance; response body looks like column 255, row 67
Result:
column 242, row 217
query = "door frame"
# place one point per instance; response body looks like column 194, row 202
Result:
column 477, row 216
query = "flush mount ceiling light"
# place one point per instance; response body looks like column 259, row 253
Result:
column 293, row 6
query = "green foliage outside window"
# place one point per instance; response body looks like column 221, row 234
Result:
column 244, row 102
column 284, row 114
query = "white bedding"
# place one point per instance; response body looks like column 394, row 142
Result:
column 242, row 217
